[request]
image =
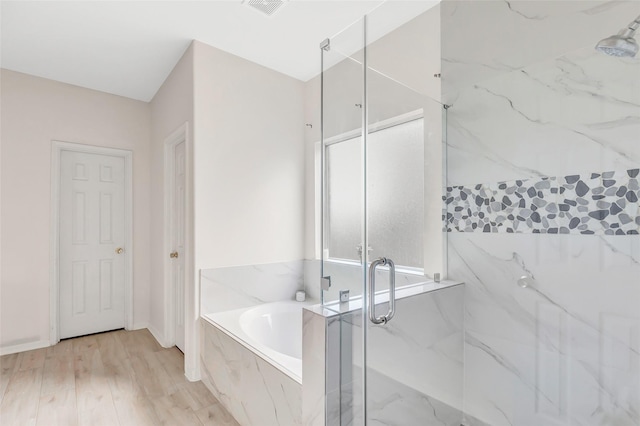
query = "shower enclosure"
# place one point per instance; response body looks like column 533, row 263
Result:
column 382, row 180
column 486, row 143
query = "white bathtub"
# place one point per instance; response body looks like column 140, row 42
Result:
column 273, row 331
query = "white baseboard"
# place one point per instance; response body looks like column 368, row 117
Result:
column 140, row 326
column 192, row 369
column 6, row 350
column 158, row 336
column 192, row 375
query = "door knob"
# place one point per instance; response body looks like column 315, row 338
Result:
column 119, row 250
column 173, row 255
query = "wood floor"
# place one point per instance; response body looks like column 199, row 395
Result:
column 116, row 378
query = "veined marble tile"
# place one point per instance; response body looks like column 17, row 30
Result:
column 314, row 361
column 603, row 278
column 552, row 324
column 537, row 385
column 421, row 346
column 573, row 114
column 567, row 345
column 391, row 402
column 312, row 278
column 224, row 289
column 338, row 369
column 518, row 34
column 251, row 389
column 417, row 356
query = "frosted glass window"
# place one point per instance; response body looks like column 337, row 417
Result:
column 344, row 198
column 395, row 185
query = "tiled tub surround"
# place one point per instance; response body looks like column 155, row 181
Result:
column 564, row 350
column 272, row 331
column 250, row 388
column 225, row 289
column 415, row 361
column 321, row 338
column 604, row 203
column 253, row 388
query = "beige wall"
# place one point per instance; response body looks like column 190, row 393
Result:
column 311, row 139
column 171, row 108
column 249, row 161
column 247, row 172
column 36, row 111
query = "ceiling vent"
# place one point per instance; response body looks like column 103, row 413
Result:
column 268, row 7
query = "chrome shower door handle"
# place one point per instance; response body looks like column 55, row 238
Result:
column 383, row 319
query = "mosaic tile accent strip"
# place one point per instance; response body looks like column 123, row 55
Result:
column 604, row 203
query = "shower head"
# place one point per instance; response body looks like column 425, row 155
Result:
column 622, row 44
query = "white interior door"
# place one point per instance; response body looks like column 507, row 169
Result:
column 92, row 236
column 178, row 241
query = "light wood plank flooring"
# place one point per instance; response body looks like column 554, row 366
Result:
column 116, row 378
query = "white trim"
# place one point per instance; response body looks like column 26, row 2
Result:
column 399, row 269
column 56, row 150
column 181, row 134
column 376, row 127
column 192, row 288
column 192, row 374
column 23, row 347
column 139, row 326
column 158, row 336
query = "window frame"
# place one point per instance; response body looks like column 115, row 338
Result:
column 319, row 203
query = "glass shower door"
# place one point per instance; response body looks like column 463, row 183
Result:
column 382, row 173
column 342, row 231
column 342, row 162
column 413, row 328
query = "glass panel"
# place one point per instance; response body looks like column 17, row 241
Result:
column 403, row 86
column 413, row 368
column 343, row 218
column 382, row 207
column 343, row 212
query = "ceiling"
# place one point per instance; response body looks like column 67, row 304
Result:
column 128, row 48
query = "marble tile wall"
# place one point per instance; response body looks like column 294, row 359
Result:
column 415, row 362
column 552, row 324
column 251, row 389
column 565, row 349
column 313, row 362
column 223, row 289
column 321, row 366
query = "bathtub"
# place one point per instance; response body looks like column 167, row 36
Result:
column 273, row 331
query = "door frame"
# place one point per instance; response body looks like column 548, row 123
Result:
column 181, row 134
column 57, row 147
